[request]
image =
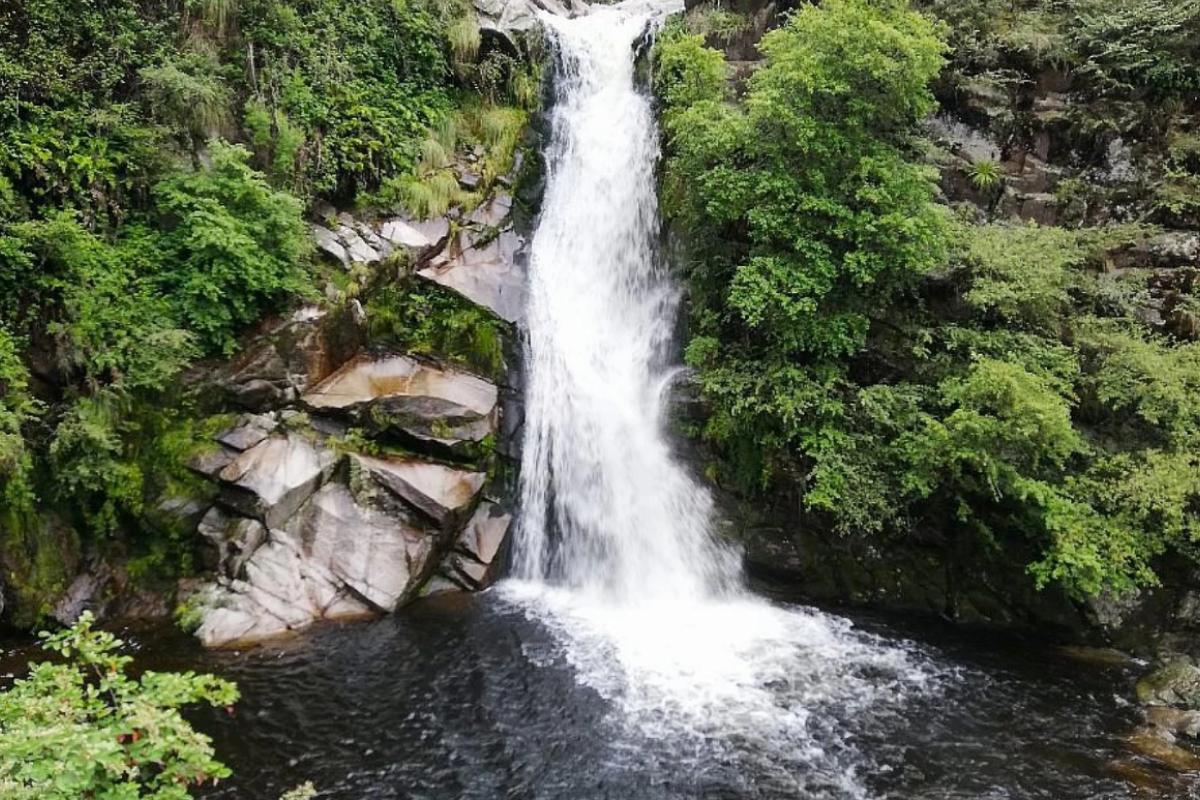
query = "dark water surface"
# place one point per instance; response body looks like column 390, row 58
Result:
column 471, row 698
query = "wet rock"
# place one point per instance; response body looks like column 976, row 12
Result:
column 1175, row 683
column 82, row 595
column 488, row 274
column 473, row 560
column 401, row 394
column 1175, row 721
column 508, row 20
column 327, row 242
column 417, row 238
column 438, row 491
column 1098, row 656
column 271, row 480
column 440, row 584
column 483, row 535
column 1156, row 746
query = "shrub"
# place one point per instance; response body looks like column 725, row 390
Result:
column 83, row 727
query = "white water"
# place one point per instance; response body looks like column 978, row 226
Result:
column 616, row 551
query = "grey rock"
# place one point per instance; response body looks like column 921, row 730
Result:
column 400, row 393
column 488, row 275
column 359, row 251
column 381, row 557
column 283, row 591
column 484, row 533
column 82, row 595
column 438, row 491
column 401, row 234
column 249, row 431
column 271, row 480
column 494, row 213
column 1175, row 683
column 1175, row 721
column 209, row 463
column 327, row 242
column 290, row 355
column 334, row 558
column 234, row 539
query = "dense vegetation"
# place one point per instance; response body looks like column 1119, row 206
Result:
column 156, row 163
column 901, row 364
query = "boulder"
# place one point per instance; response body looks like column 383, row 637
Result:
column 486, row 273
column 1174, row 721
column 382, row 557
column 418, row 238
column 403, row 395
column 1175, row 683
column 209, row 462
column 484, row 533
column 357, row 249
column 270, row 480
column 283, row 591
column 509, row 20
column 249, row 431
column 328, row 243
column 440, row 492
column 473, row 559
column 1160, row 748
column 493, row 213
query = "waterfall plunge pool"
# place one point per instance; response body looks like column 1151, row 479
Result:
column 459, row 697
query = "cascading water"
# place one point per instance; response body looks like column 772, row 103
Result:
column 605, row 508
column 616, row 552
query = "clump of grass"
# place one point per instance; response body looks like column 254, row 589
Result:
column 464, row 38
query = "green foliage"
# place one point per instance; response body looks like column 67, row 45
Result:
column 985, row 175
column 83, row 727
column 1022, row 275
column 898, row 372
column 715, row 24
column 234, row 245
column 421, row 318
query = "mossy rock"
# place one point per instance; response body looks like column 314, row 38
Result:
column 1176, row 683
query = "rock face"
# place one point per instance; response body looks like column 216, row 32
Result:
column 357, row 480
column 436, row 490
column 270, row 480
column 402, row 395
column 509, row 19
column 291, row 354
column 488, row 274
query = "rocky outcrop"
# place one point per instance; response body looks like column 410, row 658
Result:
column 509, row 21
column 401, row 395
column 360, row 478
column 303, row 530
column 286, row 357
column 485, row 270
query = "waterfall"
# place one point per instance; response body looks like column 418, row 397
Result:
column 616, row 552
column 605, row 507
